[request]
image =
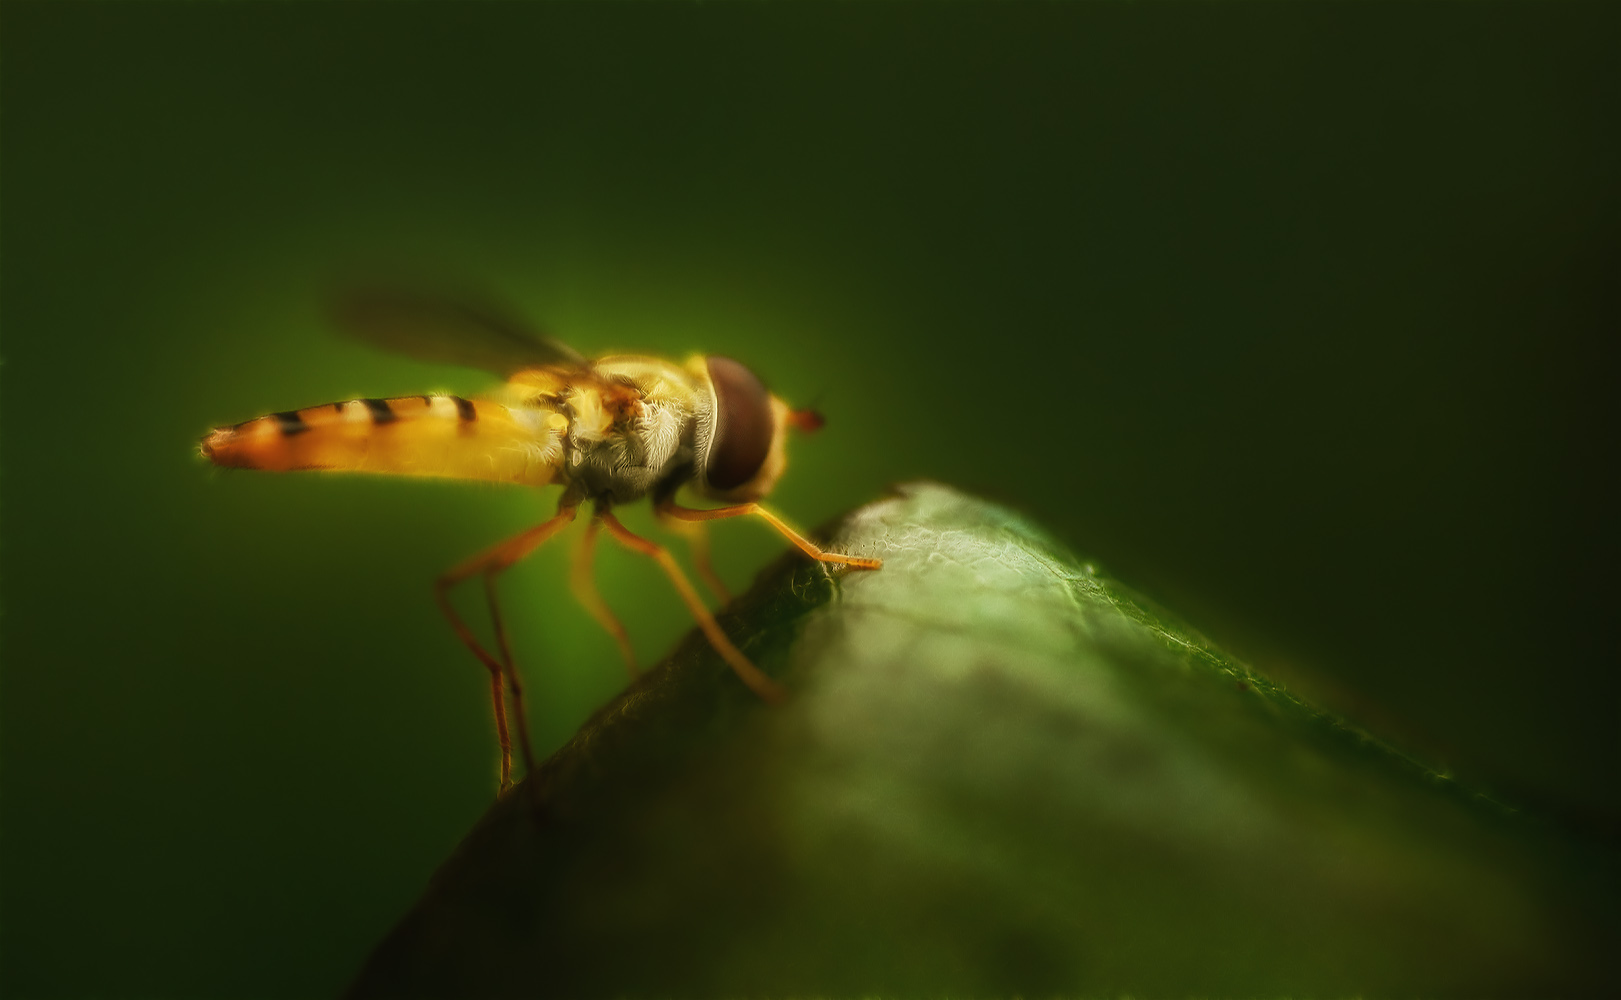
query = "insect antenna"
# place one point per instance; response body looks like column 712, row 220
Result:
column 809, row 418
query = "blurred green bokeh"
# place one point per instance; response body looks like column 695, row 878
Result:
column 1293, row 317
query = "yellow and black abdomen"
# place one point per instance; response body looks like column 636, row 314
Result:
column 405, row 436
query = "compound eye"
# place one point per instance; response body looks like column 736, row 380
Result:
column 744, row 425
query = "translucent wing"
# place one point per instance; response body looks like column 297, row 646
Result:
column 446, row 330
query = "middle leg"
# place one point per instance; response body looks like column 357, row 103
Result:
column 697, row 535
column 768, row 689
column 584, row 585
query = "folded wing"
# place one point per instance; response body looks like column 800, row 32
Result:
column 444, row 329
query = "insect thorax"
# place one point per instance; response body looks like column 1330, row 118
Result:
column 631, row 430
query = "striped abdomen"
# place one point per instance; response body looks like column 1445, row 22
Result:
column 405, row 436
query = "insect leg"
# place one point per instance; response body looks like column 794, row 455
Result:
column 697, row 536
column 585, row 591
column 489, row 563
column 514, row 682
column 768, row 689
column 698, row 541
column 805, row 545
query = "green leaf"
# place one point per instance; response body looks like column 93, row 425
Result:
column 1000, row 773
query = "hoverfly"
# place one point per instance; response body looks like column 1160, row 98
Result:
column 608, row 431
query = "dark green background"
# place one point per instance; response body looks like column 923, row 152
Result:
column 1295, row 318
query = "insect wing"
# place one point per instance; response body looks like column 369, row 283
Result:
column 446, row 330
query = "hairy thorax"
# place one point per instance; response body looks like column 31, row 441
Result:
column 629, row 430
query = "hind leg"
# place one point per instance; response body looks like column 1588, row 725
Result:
column 489, row 564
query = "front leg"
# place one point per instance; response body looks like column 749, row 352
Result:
column 697, row 536
column 671, row 509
